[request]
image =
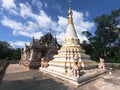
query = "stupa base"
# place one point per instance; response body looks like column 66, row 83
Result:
column 85, row 76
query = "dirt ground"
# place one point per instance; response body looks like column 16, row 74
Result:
column 18, row 79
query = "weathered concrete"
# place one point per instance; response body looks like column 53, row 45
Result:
column 35, row 80
column 14, row 68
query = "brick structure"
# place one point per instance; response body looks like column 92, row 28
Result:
column 47, row 46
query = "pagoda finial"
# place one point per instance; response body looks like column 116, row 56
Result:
column 69, row 3
column 70, row 19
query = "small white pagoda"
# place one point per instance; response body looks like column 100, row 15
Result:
column 70, row 57
column 71, row 51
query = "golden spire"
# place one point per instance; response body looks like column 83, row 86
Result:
column 70, row 30
column 70, row 19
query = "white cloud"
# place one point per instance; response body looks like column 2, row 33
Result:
column 28, row 26
column 25, row 10
column 60, row 37
column 57, row 7
column 45, row 5
column 37, row 3
column 81, row 24
column 14, row 12
column 18, row 43
column 40, row 23
column 62, row 22
column 29, row 29
column 23, row 33
column 42, row 19
column 10, row 6
column 12, row 24
column 87, row 14
column 37, row 35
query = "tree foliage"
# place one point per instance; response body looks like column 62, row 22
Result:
column 7, row 52
column 106, row 42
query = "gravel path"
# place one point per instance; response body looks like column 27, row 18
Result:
column 35, row 80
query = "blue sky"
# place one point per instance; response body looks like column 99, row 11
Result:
column 20, row 20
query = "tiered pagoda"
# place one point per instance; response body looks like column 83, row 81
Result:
column 71, row 51
column 72, row 63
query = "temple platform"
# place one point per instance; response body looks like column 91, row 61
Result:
column 85, row 75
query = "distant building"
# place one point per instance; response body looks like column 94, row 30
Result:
column 46, row 47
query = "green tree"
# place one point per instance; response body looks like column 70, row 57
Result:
column 106, row 42
column 7, row 52
column 4, row 49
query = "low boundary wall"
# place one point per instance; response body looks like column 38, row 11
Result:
column 3, row 69
column 112, row 65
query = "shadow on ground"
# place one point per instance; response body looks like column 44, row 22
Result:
column 35, row 80
column 112, row 81
column 33, row 84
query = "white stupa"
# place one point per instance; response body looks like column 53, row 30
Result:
column 70, row 52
